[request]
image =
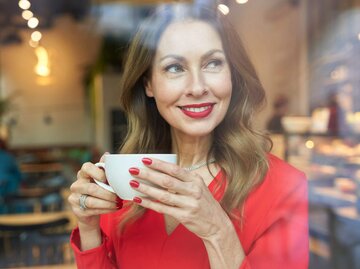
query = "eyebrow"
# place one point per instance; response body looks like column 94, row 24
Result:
column 182, row 59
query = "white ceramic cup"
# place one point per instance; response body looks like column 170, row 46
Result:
column 117, row 166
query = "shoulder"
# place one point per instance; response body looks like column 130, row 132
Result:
column 281, row 194
column 282, row 188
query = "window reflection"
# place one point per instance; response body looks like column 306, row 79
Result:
column 308, row 51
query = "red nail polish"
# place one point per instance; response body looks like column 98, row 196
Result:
column 134, row 171
column 146, row 161
column 137, row 200
column 134, row 183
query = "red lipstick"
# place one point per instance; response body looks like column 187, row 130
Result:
column 197, row 111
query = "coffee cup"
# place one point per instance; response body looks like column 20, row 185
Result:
column 117, row 166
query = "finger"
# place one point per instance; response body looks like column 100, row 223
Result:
column 91, row 212
column 175, row 212
column 89, row 171
column 93, row 202
column 168, row 168
column 170, row 183
column 93, row 190
column 164, row 196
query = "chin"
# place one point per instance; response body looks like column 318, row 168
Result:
column 197, row 131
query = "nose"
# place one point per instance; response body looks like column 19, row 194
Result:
column 198, row 85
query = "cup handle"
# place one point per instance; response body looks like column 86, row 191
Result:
column 102, row 184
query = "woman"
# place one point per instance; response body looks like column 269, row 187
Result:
column 189, row 88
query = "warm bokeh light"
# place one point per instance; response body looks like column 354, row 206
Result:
column 33, row 43
column 224, row 9
column 33, row 22
column 42, row 67
column 27, row 14
column 309, row 144
column 36, row 36
column 241, row 1
column 24, row 4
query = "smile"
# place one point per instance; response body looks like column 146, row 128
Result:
column 197, row 111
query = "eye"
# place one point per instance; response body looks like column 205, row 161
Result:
column 174, row 68
column 213, row 64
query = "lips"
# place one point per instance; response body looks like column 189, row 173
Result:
column 197, row 111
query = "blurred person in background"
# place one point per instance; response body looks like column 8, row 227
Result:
column 280, row 109
column 10, row 175
column 189, row 88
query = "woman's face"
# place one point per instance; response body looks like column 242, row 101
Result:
column 191, row 80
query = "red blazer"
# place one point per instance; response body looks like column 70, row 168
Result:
column 274, row 232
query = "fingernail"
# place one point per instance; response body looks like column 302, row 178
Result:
column 134, row 184
column 137, row 200
column 134, row 171
column 146, row 161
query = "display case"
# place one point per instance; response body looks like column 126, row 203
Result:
column 324, row 156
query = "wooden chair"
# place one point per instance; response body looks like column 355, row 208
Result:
column 36, row 243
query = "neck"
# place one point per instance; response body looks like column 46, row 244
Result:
column 190, row 150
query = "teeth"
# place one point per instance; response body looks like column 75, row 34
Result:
column 196, row 109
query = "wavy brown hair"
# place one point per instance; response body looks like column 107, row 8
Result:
column 240, row 150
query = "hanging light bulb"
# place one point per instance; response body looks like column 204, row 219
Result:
column 27, row 14
column 33, row 22
column 241, row 1
column 42, row 67
column 224, row 9
column 33, row 43
column 36, row 36
column 24, row 4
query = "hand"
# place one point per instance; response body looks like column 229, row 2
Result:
column 182, row 195
column 99, row 201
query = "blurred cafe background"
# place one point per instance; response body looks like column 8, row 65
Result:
column 60, row 64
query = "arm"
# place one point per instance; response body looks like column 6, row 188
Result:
column 92, row 247
column 225, row 250
column 101, row 256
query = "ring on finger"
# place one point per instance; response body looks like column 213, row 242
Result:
column 82, row 201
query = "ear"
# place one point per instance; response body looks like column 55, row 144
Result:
column 148, row 88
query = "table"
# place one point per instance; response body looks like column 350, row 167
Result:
column 37, row 218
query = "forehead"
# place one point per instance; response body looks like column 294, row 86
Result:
column 188, row 36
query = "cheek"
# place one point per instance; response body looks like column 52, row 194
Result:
column 222, row 86
column 168, row 91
